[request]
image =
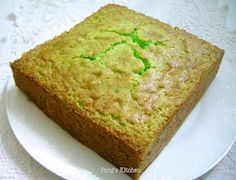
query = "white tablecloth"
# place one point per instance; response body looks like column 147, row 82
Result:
column 23, row 24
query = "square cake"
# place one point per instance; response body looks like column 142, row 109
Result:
column 119, row 82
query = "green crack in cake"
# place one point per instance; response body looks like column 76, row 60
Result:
column 119, row 82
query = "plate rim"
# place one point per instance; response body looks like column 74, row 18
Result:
column 57, row 173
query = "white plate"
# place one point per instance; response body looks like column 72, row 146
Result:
column 201, row 142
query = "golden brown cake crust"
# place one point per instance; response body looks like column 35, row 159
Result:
column 131, row 146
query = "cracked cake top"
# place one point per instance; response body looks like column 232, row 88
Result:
column 125, row 70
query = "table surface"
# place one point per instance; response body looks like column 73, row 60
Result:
column 27, row 23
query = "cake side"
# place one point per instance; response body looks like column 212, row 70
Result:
column 130, row 77
column 177, row 118
column 102, row 140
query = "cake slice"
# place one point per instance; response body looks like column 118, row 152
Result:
column 119, row 82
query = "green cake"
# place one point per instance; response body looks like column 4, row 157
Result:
column 119, row 82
